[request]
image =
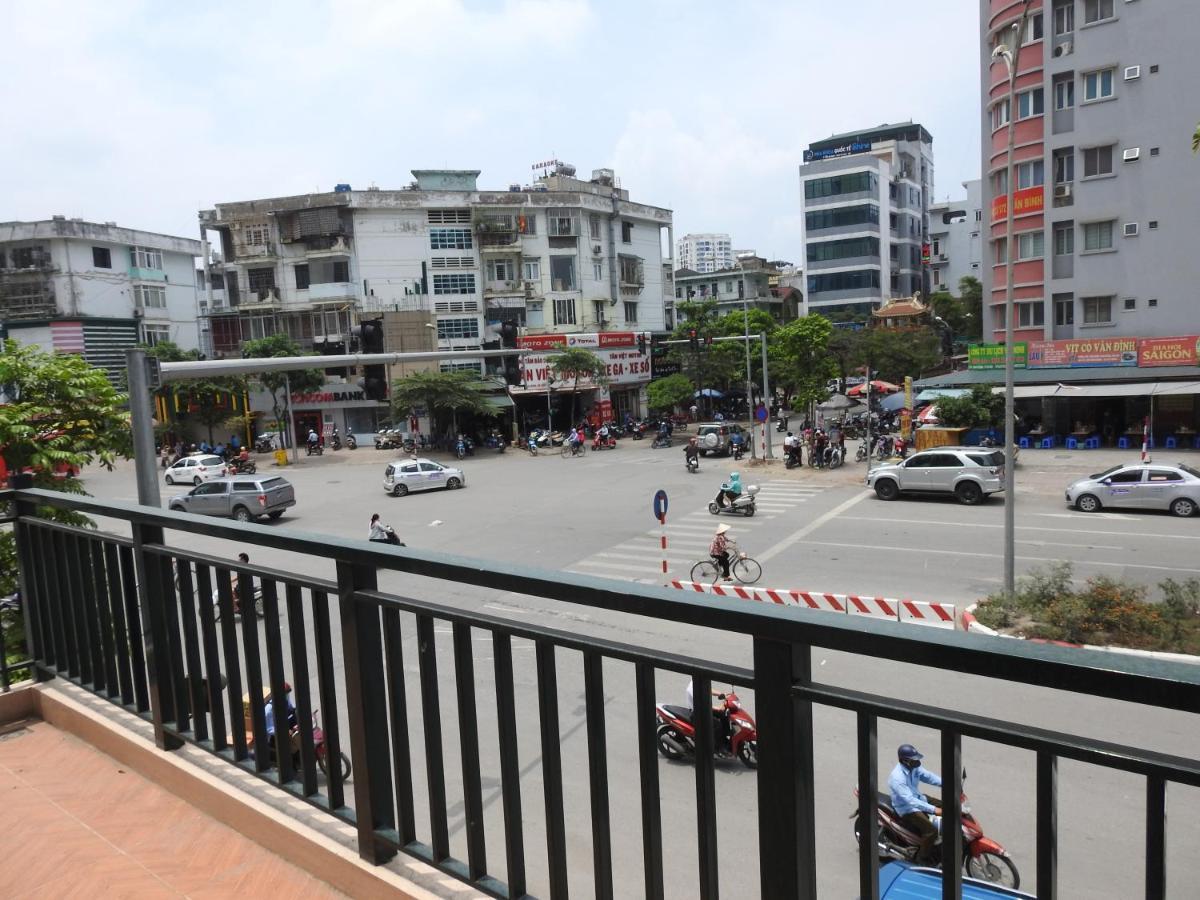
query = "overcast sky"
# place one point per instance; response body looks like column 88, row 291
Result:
column 143, row 113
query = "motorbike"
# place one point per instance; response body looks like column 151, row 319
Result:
column 781, row 425
column 661, row 440
column 744, row 505
column 263, row 444
column 320, row 749
column 791, row 458
column 237, row 467
column 677, row 734
column 606, row 442
column 738, row 450
column 314, row 448
column 861, row 453
column 460, row 448
column 335, row 441
column 834, row 456
column 983, row 858
column 692, row 462
column 531, row 445
column 351, row 442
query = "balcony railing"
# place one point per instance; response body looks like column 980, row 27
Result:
column 150, row 626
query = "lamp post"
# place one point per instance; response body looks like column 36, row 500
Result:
column 1010, row 53
column 749, row 386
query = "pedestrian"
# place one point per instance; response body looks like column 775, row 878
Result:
column 383, row 534
column 695, row 411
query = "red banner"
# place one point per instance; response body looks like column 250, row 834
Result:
column 1027, row 200
column 542, row 341
column 1169, row 351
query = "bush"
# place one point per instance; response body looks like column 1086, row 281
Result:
column 982, row 408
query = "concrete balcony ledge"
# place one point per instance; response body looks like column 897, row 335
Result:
column 333, row 290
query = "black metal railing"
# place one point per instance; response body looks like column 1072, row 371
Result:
column 154, row 628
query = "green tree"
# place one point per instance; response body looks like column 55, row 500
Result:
column 801, row 363
column 303, row 381
column 439, row 393
column 574, row 364
column 1196, row 140
column 211, row 401
column 844, row 348
column 667, row 393
column 970, row 292
column 981, row 408
column 895, row 354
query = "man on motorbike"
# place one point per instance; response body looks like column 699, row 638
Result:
column 691, row 452
column 913, row 808
column 737, row 443
column 313, row 440
column 731, row 490
column 722, row 728
column 719, row 551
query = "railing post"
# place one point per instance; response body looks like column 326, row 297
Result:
column 786, row 831
column 366, row 712
column 34, row 634
column 151, row 598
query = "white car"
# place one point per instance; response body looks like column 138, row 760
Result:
column 406, row 475
column 196, row 469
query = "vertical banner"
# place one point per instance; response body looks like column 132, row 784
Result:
column 906, row 413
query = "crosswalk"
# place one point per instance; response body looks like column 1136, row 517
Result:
column 688, row 537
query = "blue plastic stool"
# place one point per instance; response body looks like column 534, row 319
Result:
column 1047, row 443
column 1196, row 442
column 1123, row 443
column 1092, row 443
column 1072, row 444
column 1170, row 443
column 1023, row 443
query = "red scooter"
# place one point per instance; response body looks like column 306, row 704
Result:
column 677, row 734
column 983, row 858
column 604, row 443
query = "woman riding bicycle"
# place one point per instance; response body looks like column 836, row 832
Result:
column 719, row 550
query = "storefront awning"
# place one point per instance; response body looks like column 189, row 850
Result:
column 498, row 401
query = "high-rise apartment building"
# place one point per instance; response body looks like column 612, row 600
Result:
column 1107, row 190
column 955, row 239
column 866, row 215
column 704, row 252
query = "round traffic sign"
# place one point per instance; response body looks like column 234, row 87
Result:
column 761, row 413
column 660, row 504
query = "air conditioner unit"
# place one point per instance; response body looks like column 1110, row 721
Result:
column 1131, row 154
column 1131, row 229
column 1132, row 72
column 1064, row 49
column 1062, row 191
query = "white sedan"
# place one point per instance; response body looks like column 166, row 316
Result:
column 406, row 475
column 196, row 469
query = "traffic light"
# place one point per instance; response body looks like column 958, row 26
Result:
column 369, row 335
column 694, row 339
column 508, row 341
column 641, row 342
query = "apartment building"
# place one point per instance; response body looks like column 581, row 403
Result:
column 704, row 252
column 751, row 282
column 955, row 239
column 1106, row 193
column 866, row 198
column 96, row 288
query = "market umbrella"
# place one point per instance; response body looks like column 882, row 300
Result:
column 836, row 402
column 877, row 387
column 892, row 403
column 928, row 415
column 709, row 392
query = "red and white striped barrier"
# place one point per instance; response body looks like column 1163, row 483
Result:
column 916, row 612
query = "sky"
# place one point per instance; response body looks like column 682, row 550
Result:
column 143, row 113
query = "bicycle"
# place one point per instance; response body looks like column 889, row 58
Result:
column 742, row 567
column 569, row 449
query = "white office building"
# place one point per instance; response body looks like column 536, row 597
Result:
column 704, row 253
column 955, row 247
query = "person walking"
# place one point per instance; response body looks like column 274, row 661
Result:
column 381, row 533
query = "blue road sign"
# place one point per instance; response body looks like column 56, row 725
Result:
column 660, row 504
column 761, row 413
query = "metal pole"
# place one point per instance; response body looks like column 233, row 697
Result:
column 766, row 393
column 868, row 392
column 141, row 417
column 749, row 386
column 285, row 433
column 1010, row 426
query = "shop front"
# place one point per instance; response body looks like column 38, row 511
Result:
column 335, row 404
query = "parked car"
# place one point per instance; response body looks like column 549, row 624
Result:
column 242, row 497
column 969, row 473
column 195, row 469
column 714, row 437
column 904, row 881
column 1139, row 486
column 406, row 475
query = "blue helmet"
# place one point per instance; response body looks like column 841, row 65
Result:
column 908, row 751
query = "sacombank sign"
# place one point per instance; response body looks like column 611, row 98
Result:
column 831, row 152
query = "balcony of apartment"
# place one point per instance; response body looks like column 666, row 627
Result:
column 265, row 297
column 632, row 274
column 497, row 233
column 467, row 754
column 27, row 294
column 329, row 246
column 507, row 288
column 329, row 291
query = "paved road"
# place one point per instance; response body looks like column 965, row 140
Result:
column 816, row 530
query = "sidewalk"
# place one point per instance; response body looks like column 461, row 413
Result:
column 78, row 824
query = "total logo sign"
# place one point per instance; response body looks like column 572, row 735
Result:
column 595, row 341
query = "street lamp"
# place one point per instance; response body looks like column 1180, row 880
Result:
column 1010, row 53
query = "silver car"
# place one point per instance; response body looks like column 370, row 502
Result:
column 406, row 475
column 195, row 469
column 969, row 473
column 1138, row 486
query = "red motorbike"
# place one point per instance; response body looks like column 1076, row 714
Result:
column 983, row 858
column 604, row 443
column 677, row 734
column 320, row 750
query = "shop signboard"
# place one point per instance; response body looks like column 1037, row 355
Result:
column 1077, row 354
column 991, row 356
column 1026, row 200
column 621, row 367
column 1169, row 351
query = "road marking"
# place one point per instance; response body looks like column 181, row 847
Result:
column 1120, row 517
column 1177, row 537
column 812, row 526
column 1078, row 562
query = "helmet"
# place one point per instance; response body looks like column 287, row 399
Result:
column 907, row 752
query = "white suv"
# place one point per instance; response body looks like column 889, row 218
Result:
column 969, row 473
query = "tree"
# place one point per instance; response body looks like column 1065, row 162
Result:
column 981, row 408
column 573, row 364
column 302, row 381
column 437, row 392
column 843, row 347
column 1196, row 140
column 800, row 358
column 895, row 354
column 667, row 393
column 970, row 292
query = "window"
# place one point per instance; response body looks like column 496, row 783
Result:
column 1129, row 303
column 1031, row 174
column 1097, row 11
column 260, row 279
column 341, row 271
column 561, row 223
column 145, row 258
column 1030, row 315
column 1097, row 236
column 847, row 249
column 836, row 218
column 1064, row 91
column 1132, row 476
column 594, row 227
column 152, row 334
column 562, row 274
column 1031, row 245
column 1000, row 250
column 457, row 329
column 527, row 223
column 302, row 277
column 449, row 238
column 1031, row 103
column 1098, row 85
column 999, row 182
column 501, row 270
column 631, row 312
column 597, row 271
column 256, row 235
column 816, row 188
column 1064, row 16
column 456, row 283
column 1097, row 310
column 1152, row 302
column 1064, row 310
column 1163, row 475
column 451, row 262
column 1064, row 238
column 101, row 258
column 1097, row 161
column 1000, row 114
column 626, row 232
column 1033, row 29
column 531, row 269
column 150, row 296
column 1064, row 165
column 448, row 216
column 472, row 367
column 564, row 310
column 844, row 281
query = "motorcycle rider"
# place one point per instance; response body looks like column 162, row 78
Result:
column 381, row 533
column 722, row 727
column 313, row 440
column 719, row 551
column 732, row 489
column 691, row 452
column 736, row 443
column 791, row 448
column 915, row 810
